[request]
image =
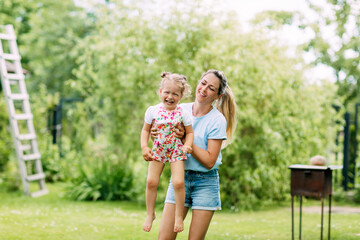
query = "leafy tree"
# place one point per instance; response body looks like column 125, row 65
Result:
column 55, row 29
column 340, row 51
column 282, row 118
column 15, row 12
column 114, row 63
column 119, row 69
column 6, row 141
column 47, row 31
column 334, row 43
column 274, row 20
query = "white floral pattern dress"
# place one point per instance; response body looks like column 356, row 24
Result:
column 166, row 147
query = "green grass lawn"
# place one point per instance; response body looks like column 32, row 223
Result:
column 54, row 217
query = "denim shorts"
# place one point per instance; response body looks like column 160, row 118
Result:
column 202, row 190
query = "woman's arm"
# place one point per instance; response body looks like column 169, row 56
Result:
column 207, row 157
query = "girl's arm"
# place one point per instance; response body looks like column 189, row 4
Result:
column 207, row 157
column 146, row 151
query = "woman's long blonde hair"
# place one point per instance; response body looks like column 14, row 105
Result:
column 226, row 104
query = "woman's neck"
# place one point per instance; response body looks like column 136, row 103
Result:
column 200, row 110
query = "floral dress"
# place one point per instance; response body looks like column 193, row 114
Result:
column 167, row 148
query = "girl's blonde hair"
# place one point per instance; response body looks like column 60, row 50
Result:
column 180, row 80
column 226, row 104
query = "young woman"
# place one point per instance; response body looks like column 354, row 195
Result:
column 212, row 126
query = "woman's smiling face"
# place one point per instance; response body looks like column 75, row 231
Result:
column 207, row 89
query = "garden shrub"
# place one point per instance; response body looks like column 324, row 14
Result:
column 357, row 195
column 6, row 143
column 10, row 178
column 54, row 167
column 102, row 176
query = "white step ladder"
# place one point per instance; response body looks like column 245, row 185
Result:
column 21, row 119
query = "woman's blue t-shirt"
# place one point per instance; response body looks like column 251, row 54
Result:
column 210, row 126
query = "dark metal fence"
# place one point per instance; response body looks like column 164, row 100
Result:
column 55, row 121
column 350, row 149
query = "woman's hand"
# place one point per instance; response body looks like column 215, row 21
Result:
column 153, row 131
column 146, row 152
column 179, row 131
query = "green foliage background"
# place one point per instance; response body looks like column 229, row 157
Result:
column 111, row 56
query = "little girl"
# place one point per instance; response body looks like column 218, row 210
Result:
column 166, row 147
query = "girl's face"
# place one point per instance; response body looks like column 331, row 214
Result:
column 207, row 89
column 170, row 94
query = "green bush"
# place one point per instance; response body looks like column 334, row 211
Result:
column 6, row 143
column 102, row 176
column 54, row 167
column 357, row 195
column 10, row 178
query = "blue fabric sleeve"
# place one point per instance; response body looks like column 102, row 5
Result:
column 218, row 129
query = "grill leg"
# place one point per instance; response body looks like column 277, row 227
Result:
column 292, row 217
column 329, row 216
column 300, row 217
column 322, row 217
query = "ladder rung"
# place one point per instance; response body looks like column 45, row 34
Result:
column 30, row 157
column 15, row 76
column 39, row 193
column 8, row 56
column 25, row 147
column 25, row 116
column 13, row 82
column 7, row 36
column 35, row 177
column 19, row 96
column 27, row 136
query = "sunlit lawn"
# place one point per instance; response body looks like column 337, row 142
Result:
column 54, row 217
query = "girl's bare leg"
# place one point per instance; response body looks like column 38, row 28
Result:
column 199, row 225
column 154, row 172
column 166, row 231
column 178, row 181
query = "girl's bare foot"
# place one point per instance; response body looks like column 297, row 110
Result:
column 148, row 223
column 179, row 225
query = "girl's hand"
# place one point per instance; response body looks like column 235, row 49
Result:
column 146, row 152
column 187, row 149
column 179, row 131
